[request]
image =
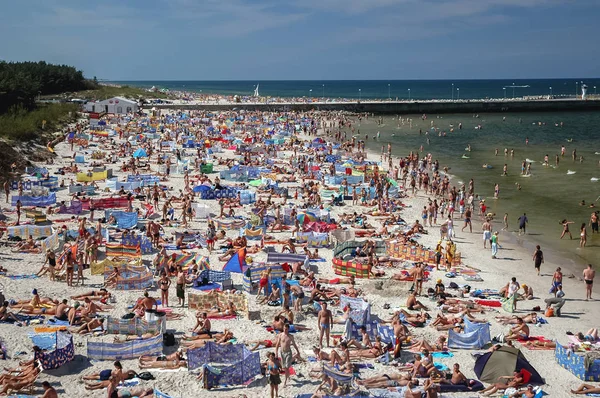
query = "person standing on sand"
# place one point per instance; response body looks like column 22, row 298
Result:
column 588, row 278
column 505, row 222
column 594, row 222
column 285, row 341
column 486, row 227
column 538, row 259
column 556, row 281
column 523, row 221
column 494, row 243
column 325, row 322
column 180, row 285
column 583, row 235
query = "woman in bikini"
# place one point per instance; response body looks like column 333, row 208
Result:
column 164, row 283
column 423, row 345
column 374, row 352
column 274, row 370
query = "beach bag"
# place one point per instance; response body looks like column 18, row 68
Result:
column 145, row 376
column 549, row 312
column 169, row 339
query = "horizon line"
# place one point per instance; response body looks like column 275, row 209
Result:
column 343, row 80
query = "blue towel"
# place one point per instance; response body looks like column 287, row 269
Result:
column 442, row 354
column 46, row 341
column 440, row 366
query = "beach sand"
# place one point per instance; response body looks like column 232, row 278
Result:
column 513, row 260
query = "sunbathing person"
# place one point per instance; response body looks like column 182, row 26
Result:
column 112, row 279
column 343, row 359
column 230, row 309
column 25, row 371
column 391, row 380
column 222, row 339
column 261, row 344
column 515, row 381
column 93, row 295
column 586, row 389
column 374, row 352
column 28, row 246
column 513, row 320
column 422, row 345
column 175, row 360
column 89, row 327
column 541, row 344
column 320, row 354
column 519, row 332
column 413, row 304
column 589, row 336
column 417, row 320
column 7, row 316
column 134, row 337
column 139, row 392
column 21, row 383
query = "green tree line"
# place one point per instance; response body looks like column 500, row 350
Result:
column 22, row 82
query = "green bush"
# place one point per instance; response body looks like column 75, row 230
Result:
column 21, row 124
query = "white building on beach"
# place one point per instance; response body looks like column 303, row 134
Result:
column 117, row 105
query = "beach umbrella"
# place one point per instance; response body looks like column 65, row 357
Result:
column 306, row 217
column 393, row 182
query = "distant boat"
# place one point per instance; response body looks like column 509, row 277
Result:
column 256, row 94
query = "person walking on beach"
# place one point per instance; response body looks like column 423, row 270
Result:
column 468, row 220
column 494, row 243
column 538, row 259
column 325, row 321
column 285, row 341
column 588, row 278
column 486, row 227
column 505, row 222
column 523, row 221
column 583, row 235
column 274, row 369
column 565, row 225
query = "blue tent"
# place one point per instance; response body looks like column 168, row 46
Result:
column 140, row 153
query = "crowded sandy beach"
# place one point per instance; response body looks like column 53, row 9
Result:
column 256, row 254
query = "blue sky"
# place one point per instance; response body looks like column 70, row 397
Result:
column 306, row 39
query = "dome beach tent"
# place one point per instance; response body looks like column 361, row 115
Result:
column 140, row 153
column 503, row 362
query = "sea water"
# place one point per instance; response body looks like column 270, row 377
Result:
column 548, row 196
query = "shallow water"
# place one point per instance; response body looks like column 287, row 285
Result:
column 549, row 195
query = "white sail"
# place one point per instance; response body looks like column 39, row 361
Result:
column 256, row 94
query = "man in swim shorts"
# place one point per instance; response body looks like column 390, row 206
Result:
column 325, row 321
